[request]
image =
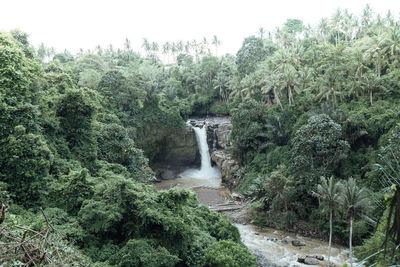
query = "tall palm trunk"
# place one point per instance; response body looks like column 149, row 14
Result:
column 350, row 241
column 370, row 96
column 290, row 95
column 330, row 238
column 276, row 95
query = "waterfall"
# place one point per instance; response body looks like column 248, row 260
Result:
column 201, row 136
column 206, row 172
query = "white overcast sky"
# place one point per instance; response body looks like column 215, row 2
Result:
column 74, row 24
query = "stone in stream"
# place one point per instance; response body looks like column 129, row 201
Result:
column 297, row 243
column 318, row 257
column 310, row 259
column 262, row 260
column 301, row 259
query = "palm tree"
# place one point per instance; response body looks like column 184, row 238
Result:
column 195, row 48
column 127, row 44
column 391, row 43
column 261, row 32
column 336, row 23
column 221, row 81
column 174, row 50
column 370, row 81
column 179, row 46
column 328, row 85
column 127, row 48
column 187, row 47
column 390, row 169
column 216, row 42
column 354, row 200
column 41, row 51
column 250, row 85
column 165, row 50
column 271, row 86
column 375, row 55
column 146, row 45
column 154, row 47
column 323, row 28
column 306, row 75
column 389, row 19
column 204, row 46
column 286, row 61
column 349, row 24
column 329, row 193
column 366, row 19
column 289, row 81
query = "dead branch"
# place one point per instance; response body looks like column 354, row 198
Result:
column 31, row 247
column 3, row 211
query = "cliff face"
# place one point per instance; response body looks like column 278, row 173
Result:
column 218, row 131
column 181, row 148
column 179, row 152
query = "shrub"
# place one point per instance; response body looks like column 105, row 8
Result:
column 228, row 254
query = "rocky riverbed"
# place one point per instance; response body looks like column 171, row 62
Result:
column 271, row 247
column 213, row 187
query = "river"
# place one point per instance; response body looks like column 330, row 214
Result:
column 274, row 246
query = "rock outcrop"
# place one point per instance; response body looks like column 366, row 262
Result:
column 222, row 132
column 228, row 167
column 218, row 131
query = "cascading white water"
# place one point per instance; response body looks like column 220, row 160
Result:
column 201, row 136
column 206, row 172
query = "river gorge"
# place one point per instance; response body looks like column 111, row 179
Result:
column 211, row 174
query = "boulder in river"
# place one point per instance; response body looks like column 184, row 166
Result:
column 301, row 258
column 318, row 257
column 311, row 261
column 262, row 260
column 297, row 243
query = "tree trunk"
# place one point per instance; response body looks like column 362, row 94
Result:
column 350, row 241
column 330, row 238
column 370, row 96
column 290, row 95
column 277, row 98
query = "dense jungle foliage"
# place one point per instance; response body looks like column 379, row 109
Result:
column 74, row 184
column 80, row 132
